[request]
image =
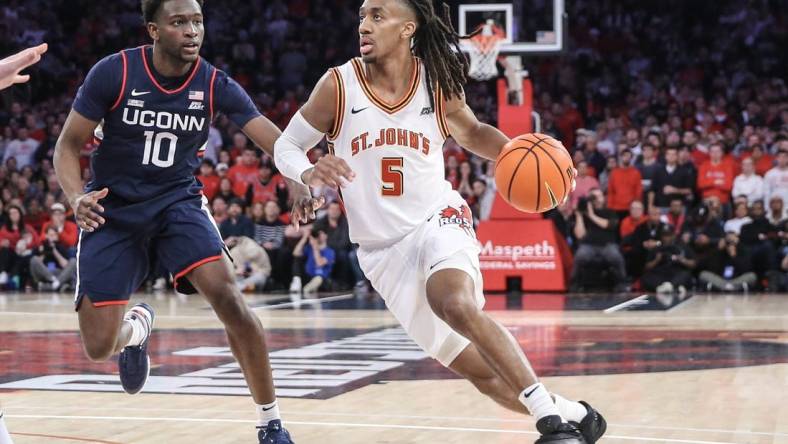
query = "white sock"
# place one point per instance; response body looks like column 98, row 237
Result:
column 537, row 400
column 570, row 410
column 267, row 413
column 138, row 331
column 5, row 438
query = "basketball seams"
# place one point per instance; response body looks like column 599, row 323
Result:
column 514, row 173
column 560, row 173
column 538, row 183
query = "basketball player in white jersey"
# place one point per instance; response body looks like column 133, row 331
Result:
column 386, row 116
column 10, row 67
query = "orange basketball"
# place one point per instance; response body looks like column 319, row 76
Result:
column 534, row 172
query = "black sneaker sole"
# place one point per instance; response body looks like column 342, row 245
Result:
column 597, row 421
column 561, row 438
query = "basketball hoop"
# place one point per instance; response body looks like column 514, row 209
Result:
column 483, row 51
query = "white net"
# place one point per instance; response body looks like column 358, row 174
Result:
column 483, row 51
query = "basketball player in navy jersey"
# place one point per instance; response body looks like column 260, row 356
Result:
column 156, row 103
column 427, row 272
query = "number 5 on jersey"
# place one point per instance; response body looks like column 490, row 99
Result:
column 152, row 152
column 391, row 173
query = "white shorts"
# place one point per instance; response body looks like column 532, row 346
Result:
column 399, row 272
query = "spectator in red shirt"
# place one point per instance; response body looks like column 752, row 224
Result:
column 568, row 119
column 636, row 217
column 452, row 149
column 625, row 184
column 715, row 177
column 209, row 179
column 268, row 186
column 36, row 216
column 226, row 189
column 17, row 241
column 66, row 229
column 240, row 144
column 245, row 170
column 584, row 183
column 763, row 161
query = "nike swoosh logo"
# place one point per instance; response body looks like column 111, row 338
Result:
column 267, row 409
column 356, row 111
column 531, row 392
column 439, row 262
column 135, row 93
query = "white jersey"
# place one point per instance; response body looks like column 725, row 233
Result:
column 396, row 151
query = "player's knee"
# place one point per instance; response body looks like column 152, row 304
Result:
column 235, row 314
column 230, row 307
column 459, row 313
column 99, row 351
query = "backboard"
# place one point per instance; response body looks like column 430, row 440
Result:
column 530, row 26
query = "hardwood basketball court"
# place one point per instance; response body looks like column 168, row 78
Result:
column 707, row 369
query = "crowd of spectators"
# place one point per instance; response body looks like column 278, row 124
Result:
column 677, row 123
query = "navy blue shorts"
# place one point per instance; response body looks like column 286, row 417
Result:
column 113, row 261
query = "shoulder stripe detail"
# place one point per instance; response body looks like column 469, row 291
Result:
column 195, row 68
column 210, row 94
column 122, row 83
column 440, row 112
column 339, row 114
column 389, row 108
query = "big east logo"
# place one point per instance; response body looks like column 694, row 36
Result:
column 454, row 216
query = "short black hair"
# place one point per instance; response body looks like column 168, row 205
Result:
column 316, row 231
column 151, row 7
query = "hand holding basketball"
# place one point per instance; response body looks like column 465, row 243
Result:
column 534, row 173
column 87, row 209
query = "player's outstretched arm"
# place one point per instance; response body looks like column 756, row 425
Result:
column 76, row 132
column 12, row 65
column 264, row 134
column 307, row 129
column 480, row 138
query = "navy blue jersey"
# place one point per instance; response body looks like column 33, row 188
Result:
column 153, row 132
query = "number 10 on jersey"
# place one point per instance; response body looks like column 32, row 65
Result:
column 153, row 149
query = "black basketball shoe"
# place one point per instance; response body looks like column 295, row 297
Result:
column 134, row 362
column 554, row 431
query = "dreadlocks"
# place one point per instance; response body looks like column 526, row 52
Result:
column 438, row 45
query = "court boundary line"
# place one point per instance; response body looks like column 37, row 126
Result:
column 302, row 301
column 13, row 406
column 634, row 301
column 357, row 425
column 372, row 415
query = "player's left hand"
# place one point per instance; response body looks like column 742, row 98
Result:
column 304, row 208
column 88, row 211
column 12, row 65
